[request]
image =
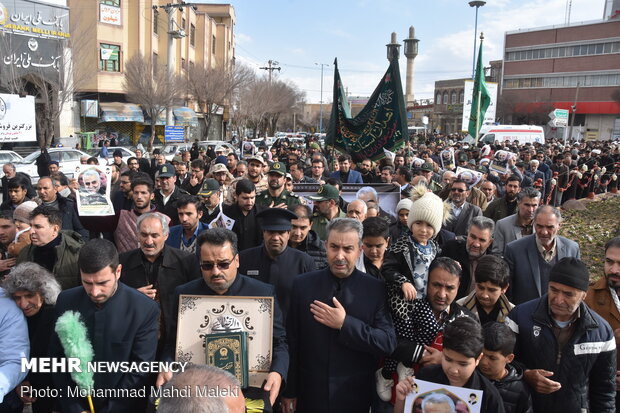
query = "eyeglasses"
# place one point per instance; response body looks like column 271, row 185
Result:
column 457, row 190
column 208, row 266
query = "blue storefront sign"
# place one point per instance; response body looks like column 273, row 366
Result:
column 174, row 134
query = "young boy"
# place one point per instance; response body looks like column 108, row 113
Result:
column 462, row 351
column 488, row 300
column 496, row 365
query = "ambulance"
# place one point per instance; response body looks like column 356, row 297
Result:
column 521, row 133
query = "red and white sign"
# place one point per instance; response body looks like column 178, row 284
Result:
column 109, row 14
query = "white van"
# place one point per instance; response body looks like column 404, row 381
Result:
column 522, row 133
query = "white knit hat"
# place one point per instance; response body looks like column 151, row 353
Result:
column 404, row 204
column 23, row 210
column 428, row 208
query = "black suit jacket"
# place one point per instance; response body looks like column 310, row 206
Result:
column 177, row 267
column 242, row 286
column 170, row 208
column 459, row 225
column 123, row 329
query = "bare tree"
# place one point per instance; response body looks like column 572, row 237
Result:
column 151, row 87
column 212, row 88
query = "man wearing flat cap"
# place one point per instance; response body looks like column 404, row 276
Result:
column 275, row 195
column 568, row 350
column 275, row 262
column 210, row 195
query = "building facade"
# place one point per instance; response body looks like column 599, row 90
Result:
column 554, row 67
column 115, row 30
column 448, row 106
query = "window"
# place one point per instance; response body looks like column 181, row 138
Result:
column 445, row 98
column 70, row 156
column 461, row 97
column 438, row 99
column 109, row 57
column 192, row 35
column 183, row 64
column 155, row 57
column 453, row 98
column 213, row 45
column 156, row 21
column 116, row 3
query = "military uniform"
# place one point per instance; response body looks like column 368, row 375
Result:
column 286, row 197
column 320, row 221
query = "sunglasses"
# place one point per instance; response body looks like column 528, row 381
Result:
column 457, row 190
column 208, row 266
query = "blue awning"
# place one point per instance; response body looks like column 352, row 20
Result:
column 184, row 116
column 120, row 112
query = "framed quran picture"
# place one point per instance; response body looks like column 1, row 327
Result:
column 203, row 315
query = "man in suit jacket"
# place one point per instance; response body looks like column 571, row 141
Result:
column 531, row 258
column 462, row 211
column 518, row 225
column 219, row 265
column 122, row 325
column 467, row 252
column 346, row 175
column 338, row 327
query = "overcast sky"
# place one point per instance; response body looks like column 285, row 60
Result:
column 300, row 33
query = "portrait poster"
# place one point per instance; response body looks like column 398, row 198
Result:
column 433, row 397
column 200, row 315
column 499, row 163
column 93, row 194
column 470, row 176
column 447, row 159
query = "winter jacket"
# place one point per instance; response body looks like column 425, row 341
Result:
column 66, row 269
column 514, row 391
column 313, row 246
column 585, row 367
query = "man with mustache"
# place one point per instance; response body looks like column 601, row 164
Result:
column 275, row 262
column 603, row 296
column 518, row 225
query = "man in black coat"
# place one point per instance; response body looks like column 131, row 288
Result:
column 156, row 269
column 275, row 262
column 49, row 196
column 219, row 265
column 338, row 327
column 122, row 327
column 467, row 252
column 169, row 193
column 243, row 212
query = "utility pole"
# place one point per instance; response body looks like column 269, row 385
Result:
column 174, row 32
column 271, row 66
column 572, row 121
column 321, row 101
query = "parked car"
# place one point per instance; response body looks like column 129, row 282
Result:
column 8, row 157
column 68, row 159
column 171, row 150
column 97, row 152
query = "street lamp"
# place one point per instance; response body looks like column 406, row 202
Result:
column 393, row 48
column 321, row 101
column 477, row 4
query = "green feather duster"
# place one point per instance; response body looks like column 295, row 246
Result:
column 74, row 339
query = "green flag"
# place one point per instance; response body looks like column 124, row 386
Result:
column 481, row 98
column 382, row 123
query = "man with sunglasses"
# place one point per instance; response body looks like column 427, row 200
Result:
column 219, row 264
column 462, row 211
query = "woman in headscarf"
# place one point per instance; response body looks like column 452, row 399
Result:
column 35, row 290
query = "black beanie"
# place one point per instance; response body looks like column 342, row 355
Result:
column 572, row 272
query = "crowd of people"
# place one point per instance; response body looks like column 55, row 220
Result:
column 465, row 282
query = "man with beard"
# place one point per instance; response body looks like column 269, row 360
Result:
column 602, row 297
column 517, row 225
column 275, row 262
column 345, row 174
column 303, row 238
column 368, row 175
column 48, row 194
column 243, row 212
column 502, row 207
column 18, row 193
column 462, row 212
column 276, row 196
column 297, row 173
column 254, row 174
column 126, row 235
column 194, row 183
column 183, row 236
column 7, row 236
column 326, row 204
column 467, row 252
